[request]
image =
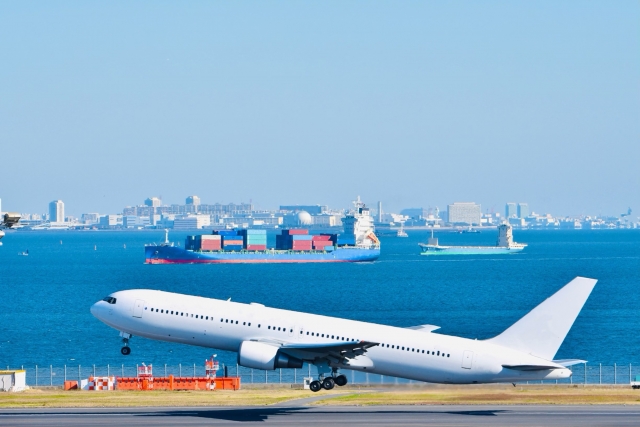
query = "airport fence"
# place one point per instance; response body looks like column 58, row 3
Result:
column 55, row 376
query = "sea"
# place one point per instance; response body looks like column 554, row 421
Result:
column 46, row 296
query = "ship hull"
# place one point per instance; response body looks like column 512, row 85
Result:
column 161, row 254
column 469, row 250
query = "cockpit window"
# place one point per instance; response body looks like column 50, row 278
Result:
column 110, row 300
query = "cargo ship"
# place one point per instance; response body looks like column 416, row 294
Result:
column 358, row 243
column 505, row 245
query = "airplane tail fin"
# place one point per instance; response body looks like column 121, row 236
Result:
column 541, row 331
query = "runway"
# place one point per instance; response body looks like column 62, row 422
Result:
column 445, row 415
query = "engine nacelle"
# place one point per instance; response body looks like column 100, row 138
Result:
column 253, row 354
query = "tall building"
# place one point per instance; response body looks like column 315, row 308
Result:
column 510, row 210
column 193, row 200
column 56, row 211
column 523, row 210
column 379, row 211
column 153, row 202
column 464, row 213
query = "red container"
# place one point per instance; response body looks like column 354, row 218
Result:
column 321, row 237
column 256, row 247
column 301, row 247
column 296, row 231
column 232, row 242
column 321, row 244
column 210, row 245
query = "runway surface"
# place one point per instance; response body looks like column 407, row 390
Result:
column 445, row 415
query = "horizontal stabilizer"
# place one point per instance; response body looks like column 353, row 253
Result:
column 569, row 362
column 541, row 331
column 531, row 367
column 424, row 328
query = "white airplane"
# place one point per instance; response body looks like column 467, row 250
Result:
column 269, row 338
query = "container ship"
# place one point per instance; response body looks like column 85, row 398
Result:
column 505, row 245
column 358, row 243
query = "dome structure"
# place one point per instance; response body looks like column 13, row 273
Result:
column 304, row 218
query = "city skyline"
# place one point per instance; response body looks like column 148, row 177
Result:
column 412, row 103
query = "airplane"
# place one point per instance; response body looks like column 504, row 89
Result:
column 269, row 338
column 8, row 220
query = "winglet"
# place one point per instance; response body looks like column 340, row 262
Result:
column 541, row 331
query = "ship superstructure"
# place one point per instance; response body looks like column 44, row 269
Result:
column 504, row 245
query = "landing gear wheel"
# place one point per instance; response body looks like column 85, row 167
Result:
column 340, row 380
column 125, row 351
column 315, row 386
column 328, row 383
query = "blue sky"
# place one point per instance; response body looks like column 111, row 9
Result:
column 103, row 104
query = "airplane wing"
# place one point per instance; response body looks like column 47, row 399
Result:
column 341, row 352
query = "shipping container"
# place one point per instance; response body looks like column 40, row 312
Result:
column 297, row 237
column 256, row 247
column 294, row 232
column 210, row 237
column 232, row 242
column 233, row 247
column 250, row 232
column 226, row 232
column 323, row 237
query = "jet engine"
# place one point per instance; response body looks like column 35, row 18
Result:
column 253, row 354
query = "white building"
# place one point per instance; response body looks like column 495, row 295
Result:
column 464, row 213
column 191, row 222
column 56, row 211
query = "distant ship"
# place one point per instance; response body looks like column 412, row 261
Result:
column 358, row 243
column 505, row 245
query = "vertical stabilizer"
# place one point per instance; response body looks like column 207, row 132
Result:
column 543, row 329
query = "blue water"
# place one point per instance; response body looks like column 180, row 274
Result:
column 46, row 296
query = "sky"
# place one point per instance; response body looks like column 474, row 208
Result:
column 415, row 104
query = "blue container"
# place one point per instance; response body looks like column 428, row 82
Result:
column 226, row 232
column 300, row 237
column 232, row 247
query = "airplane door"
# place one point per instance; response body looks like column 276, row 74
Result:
column 467, row 359
column 138, row 306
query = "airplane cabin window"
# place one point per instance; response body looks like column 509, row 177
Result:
column 268, row 327
column 438, row 353
column 222, row 320
column 244, row 323
column 258, row 325
column 236, row 322
column 249, row 324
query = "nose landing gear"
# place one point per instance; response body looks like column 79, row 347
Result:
column 125, row 340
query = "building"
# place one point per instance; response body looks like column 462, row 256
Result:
column 110, row 221
column 510, row 211
column 56, row 211
column 523, row 210
column 415, row 213
column 191, row 222
column 464, row 213
column 153, row 202
column 90, row 218
column 311, row 209
column 193, row 200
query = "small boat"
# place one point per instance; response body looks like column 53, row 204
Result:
column 401, row 232
column 24, row 253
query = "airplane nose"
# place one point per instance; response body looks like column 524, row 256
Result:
column 95, row 310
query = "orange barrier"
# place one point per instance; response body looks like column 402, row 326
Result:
column 71, row 385
column 177, row 383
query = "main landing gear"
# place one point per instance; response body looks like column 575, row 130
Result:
column 328, row 383
column 125, row 340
